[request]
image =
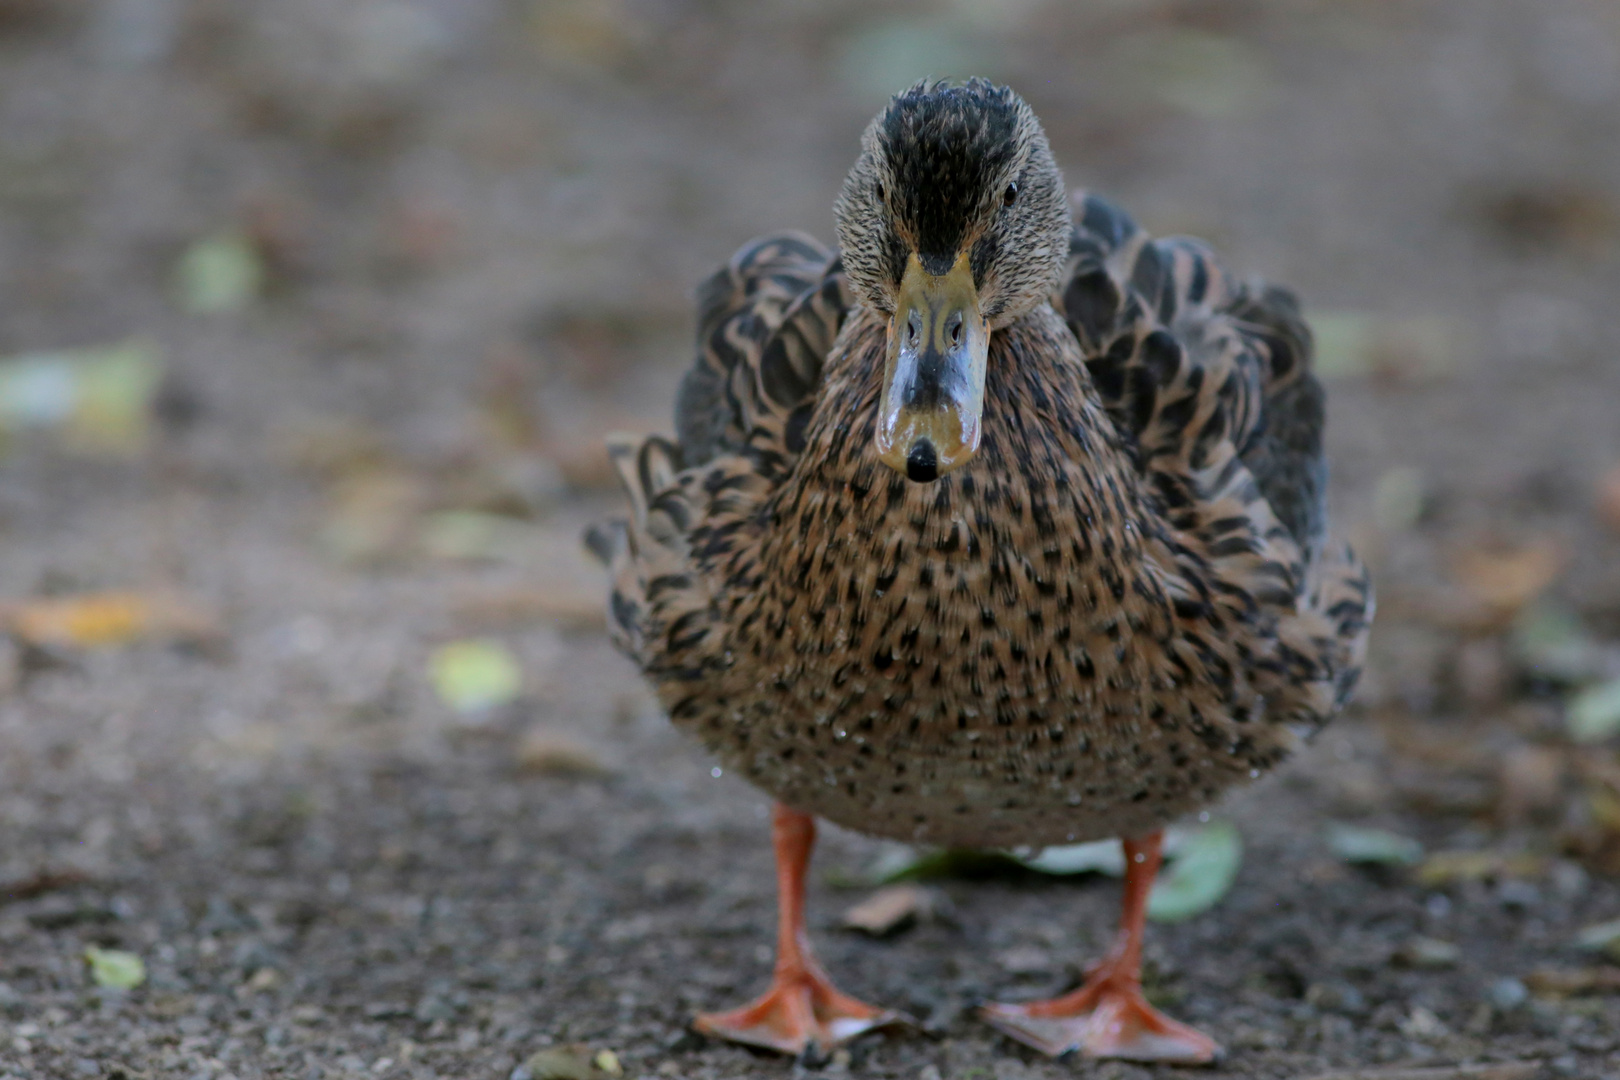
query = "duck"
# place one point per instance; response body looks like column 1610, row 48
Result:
column 1001, row 525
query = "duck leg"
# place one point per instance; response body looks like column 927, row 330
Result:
column 802, row 1007
column 1107, row 1017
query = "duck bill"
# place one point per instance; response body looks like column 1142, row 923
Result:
column 933, row 378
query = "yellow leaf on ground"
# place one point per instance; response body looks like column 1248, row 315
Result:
column 99, row 620
column 475, row 675
column 115, row 969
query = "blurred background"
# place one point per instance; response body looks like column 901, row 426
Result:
column 314, row 759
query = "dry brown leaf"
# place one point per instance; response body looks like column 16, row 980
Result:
column 98, row 620
column 1507, row 578
column 890, row 909
column 547, row 752
column 1566, row 982
column 1444, row 867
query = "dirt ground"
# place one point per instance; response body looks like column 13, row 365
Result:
column 474, row 227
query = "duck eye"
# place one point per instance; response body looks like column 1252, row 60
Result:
column 1010, row 196
column 879, row 189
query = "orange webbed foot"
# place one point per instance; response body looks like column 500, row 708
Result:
column 1106, row 1018
column 796, row 1014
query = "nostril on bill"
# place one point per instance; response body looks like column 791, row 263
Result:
column 955, row 328
column 922, row 463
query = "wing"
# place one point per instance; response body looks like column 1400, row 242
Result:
column 766, row 322
column 1210, row 380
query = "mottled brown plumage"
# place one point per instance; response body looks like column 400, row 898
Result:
column 1123, row 604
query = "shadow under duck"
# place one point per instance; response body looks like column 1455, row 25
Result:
column 1004, row 526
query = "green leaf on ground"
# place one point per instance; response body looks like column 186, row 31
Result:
column 1594, row 713
column 219, row 273
column 1096, row 857
column 115, row 969
column 1601, row 937
column 475, row 675
column 1202, row 873
column 923, row 864
column 99, row 398
column 1359, row 844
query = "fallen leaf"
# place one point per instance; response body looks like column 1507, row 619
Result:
column 115, row 969
column 1567, row 982
column 571, row 1062
column 1593, row 714
column 1096, row 857
column 608, row 1062
column 923, row 864
column 476, row 675
column 1427, row 952
column 100, row 399
column 219, row 273
column 889, row 910
column 1444, row 867
column 1360, row 844
column 1203, row 871
column 96, row 620
column 546, row 752
column 264, row 980
column 1507, row 578
column 1600, row 937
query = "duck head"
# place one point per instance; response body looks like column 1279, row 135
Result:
column 953, row 223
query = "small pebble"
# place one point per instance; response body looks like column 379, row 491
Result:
column 1508, row 994
column 1428, row 952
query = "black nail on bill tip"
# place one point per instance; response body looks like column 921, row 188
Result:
column 922, row 464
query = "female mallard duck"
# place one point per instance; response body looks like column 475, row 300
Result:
column 1004, row 526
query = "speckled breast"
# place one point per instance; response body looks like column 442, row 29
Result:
column 989, row 660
